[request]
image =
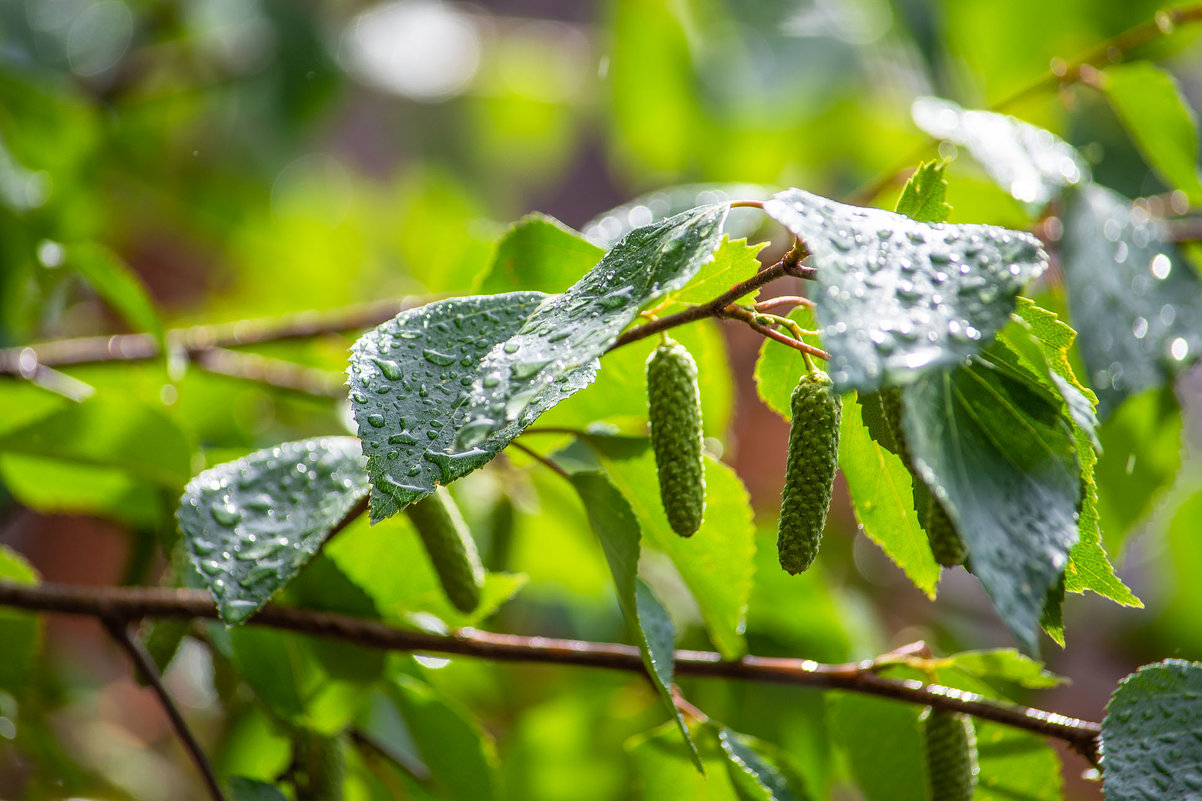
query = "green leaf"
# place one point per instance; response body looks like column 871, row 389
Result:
column 1089, row 566
column 1015, row 765
column 1030, row 163
column 779, row 367
column 117, row 284
column 882, row 497
column 716, row 563
column 608, row 227
column 408, row 380
column 554, row 354
column 539, row 253
column 883, row 745
column 924, row 197
column 994, row 447
column 1001, row 664
column 733, row 261
column 1151, row 740
column 387, row 561
column 754, row 776
column 138, row 440
column 897, row 298
column 1135, row 300
column 459, row 752
column 1159, row 118
column 1141, row 455
column 242, row 789
column 23, row 402
column 665, row 768
column 617, row 527
column 249, row 526
column 58, row 487
column 21, row 632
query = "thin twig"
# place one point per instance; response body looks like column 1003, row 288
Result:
column 543, row 460
column 118, row 628
column 128, row 603
column 273, row 372
column 736, row 313
column 783, row 300
column 715, row 308
column 190, row 341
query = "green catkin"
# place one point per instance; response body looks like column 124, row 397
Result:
column 451, row 548
column 674, row 409
column 951, row 755
column 810, row 470
column 946, row 546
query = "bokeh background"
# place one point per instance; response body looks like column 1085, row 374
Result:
column 254, row 158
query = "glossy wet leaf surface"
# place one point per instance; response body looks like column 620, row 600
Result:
column 249, row 526
column 995, row 448
column 608, row 228
column 409, row 380
column 1152, row 734
column 554, row 353
column 897, row 297
column 753, row 774
column 1135, row 300
column 1032, row 164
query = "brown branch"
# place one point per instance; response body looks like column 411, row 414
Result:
column 543, row 460
column 194, row 340
column 736, row 313
column 127, row 604
column 117, row 627
column 273, row 372
column 790, row 265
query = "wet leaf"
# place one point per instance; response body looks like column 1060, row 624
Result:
column 249, row 526
column 1135, row 300
column 409, row 379
column 554, row 354
column 617, row 527
column 755, row 777
column 896, row 297
column 924, row 197
column 1152, row 735
column 539, row 253
column 1155, row 112
column 734, row 261
column 665, row 771
column 608, row 227
column 1032, row 164
column 995, row 448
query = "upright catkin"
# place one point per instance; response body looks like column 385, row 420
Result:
column 674, row 410
column 951, row 755
column 809, row 471
column 450, row 546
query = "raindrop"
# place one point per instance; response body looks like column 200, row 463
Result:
column 376, row 420
column 226, row 514
column 440, row 359
column 1161, row 266
column 1179, row 348
column 390, row 369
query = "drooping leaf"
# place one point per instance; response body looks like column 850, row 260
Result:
column 779, row 367
column 617, row 527
column 883, row 499
column 897, row 298
column 716, row 563
column 883, row 745
column 1032, row 164
column 539, row 253
column 924, row 197
column 459, row 752
column 1135, row 300
column 243, row 789
column 608, row 228
column 117, row 285
column 1089, row 566
column 754, row 776
column 554, row 354
column 1159, row 118
column 408, row 381
column 249, row 526
column 20, row 632
column 1151, row 740
column 994, row 447
column 734, row 261
column 665, row 768
column 1015, row 765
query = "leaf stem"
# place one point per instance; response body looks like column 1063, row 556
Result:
column 130, row 603
column 739, row 313
column 118, row 628
column 538, row 457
